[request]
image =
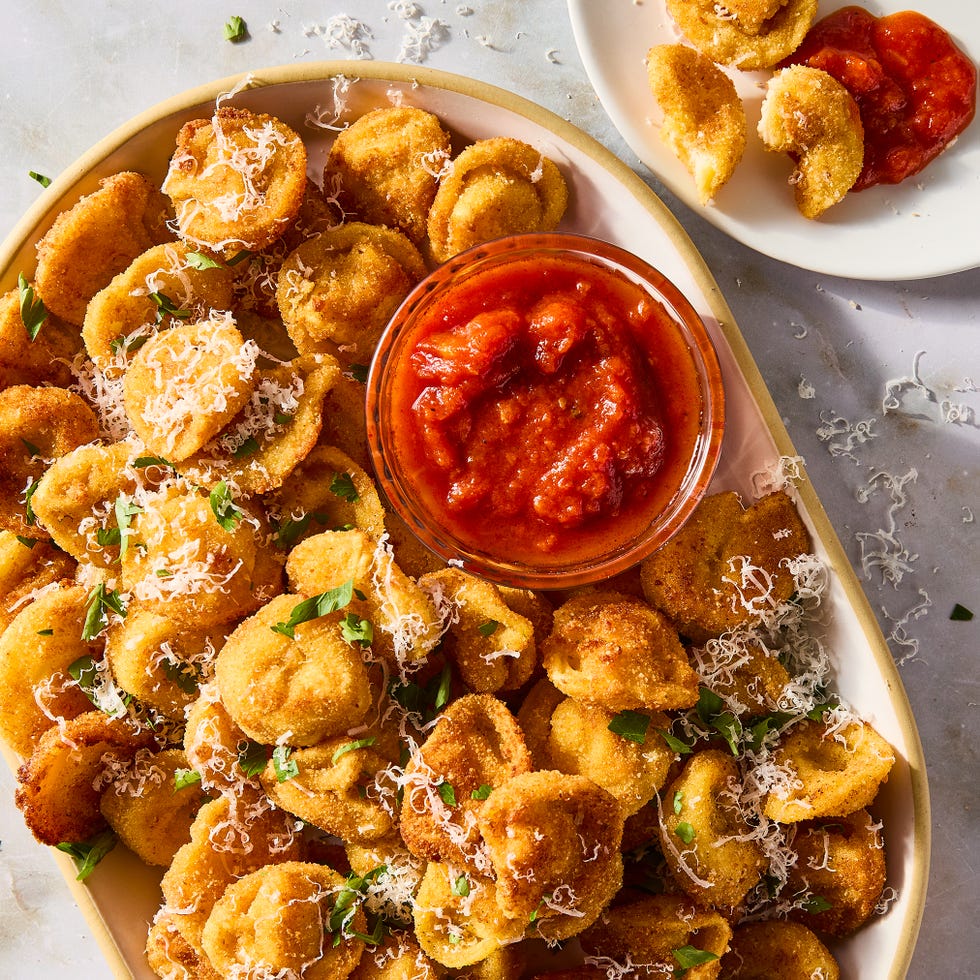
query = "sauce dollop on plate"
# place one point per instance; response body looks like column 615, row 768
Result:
column 541, row 407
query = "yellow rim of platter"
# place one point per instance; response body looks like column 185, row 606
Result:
column 64, row 188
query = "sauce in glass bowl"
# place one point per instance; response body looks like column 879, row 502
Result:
column 545, row 408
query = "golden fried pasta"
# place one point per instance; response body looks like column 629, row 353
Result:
column 704, row 122
column 397, row 957
column 236, row 180
column 172, row 957
column 495, row 187
column 808, row 114
column 752, row 15
column 723, row 38
column 273, row 920
column 384, row 167
column 728, row 566
column 95, row 239
column 27, row 568
column 214, row 744
column 147, row 806
column 337, row 290
column 777, row 950
column 618, row 652
column 44, row 360
column 835, row 771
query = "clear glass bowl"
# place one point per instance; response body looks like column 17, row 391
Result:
column 396, row 462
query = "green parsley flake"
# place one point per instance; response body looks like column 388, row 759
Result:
column 816, row 903
column 631, row 725
column 184, row 778
column 354, row 629
column 87, row 854
column 223, row 507
column 961, row 614
column 482, row 793
column 342, row 485
column 285, row 767
column 200, row 261
column 685, row 831
column 488, row 628
column 40, row 178
column 316, row 606
column 461, row 886
column 125, row 512
column 359, row 372
column 678, row 801
column 33, row 312
column 252, row 757
column 167, row 307
column 235, row 29
column 690, row 956
column 361, row 743
column 446, row 793
column 100, row 602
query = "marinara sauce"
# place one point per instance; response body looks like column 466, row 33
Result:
column 914, row 87
column 544, row 408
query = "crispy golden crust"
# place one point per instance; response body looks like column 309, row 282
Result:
column 37, row 425
column 553, row 841
column 146, row 809
column 36, row 650
column 94, row 240
column 650, row 929
column 703, row 579
column 617, row 652
column 476, row 743
column 59, row 786
column 384, row 167
column 777, row 950
column 810, row 115
column 130, row 308
column 44, row 360
column 752, row 15
column 714, row 32
column 398, row 957
column 836, row 772
column 213, row 743
column 272, row 920
column 338, row 290
column 237, row 180
column 303, row 689
column 704, row 836
column 171, row 957
column 25, row 568
column 704, row 122
column 839, row 873
column 496, row 187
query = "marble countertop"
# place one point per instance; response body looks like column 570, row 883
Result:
column 831, row 351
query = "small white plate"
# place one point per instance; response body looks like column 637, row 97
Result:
column 608, row 201
column 925, row 226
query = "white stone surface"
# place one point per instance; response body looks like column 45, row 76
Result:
column 828, row 348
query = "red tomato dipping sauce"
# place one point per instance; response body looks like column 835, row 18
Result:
column 544, row 408
column 916, row 90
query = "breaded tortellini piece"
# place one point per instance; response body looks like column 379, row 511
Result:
column 492, row 646
column 95, row 239
column 835, row 771
column 161, row 287
column 649, row 929
column 272, row 920
column 44, row 360
column 777, row 950
column 37, row 426
column 213, row 744
column 27, row 569
column 704, row 121
column 554, row 843
column 475, row 745
column 338, row 290
column 724, row 38
column 397, row 957
column 810, row 115
column 236, row 180
column 704, row 835
column 616, row 651
column 495, row 187
column 728, row 566
column 384, row 167
column 301, row 688
column 149, row 811
column 42, row 641
column 838, row 877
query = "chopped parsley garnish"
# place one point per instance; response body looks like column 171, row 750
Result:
column 87, row 854
column 315, row 607
column 690, row 956
column 198, row 260
column 342, row 485
column 223, row 507
column 631, row 725
column 235, row 29
column 961, row 614
column 30, row 518
column 711, row 711
column 488, row 628
column 446, row 793
column 674, row 743
column 290, row 529
column 536, row 914
column 45, row 632
column 40, row 178
column 816, row 903
column 141, row 462
column 248, row 448
column 285, row 767
column 180, row 672
column 252, row 757
column 125, row 512
column 354, row 629
column 481, row 793
column 167, row 307
column 127, row 343
column 685, row 831
column 345, row 906
column 26, row 542
column 32, row 449
column 100, row 602
column 184, row 778
column 361, row 743
column 678, row 801
column 33, row 312
column 461, row 886
column 359, row 372
column 428, row 700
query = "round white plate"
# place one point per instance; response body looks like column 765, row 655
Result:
column 925, row 226
column 607, row 200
